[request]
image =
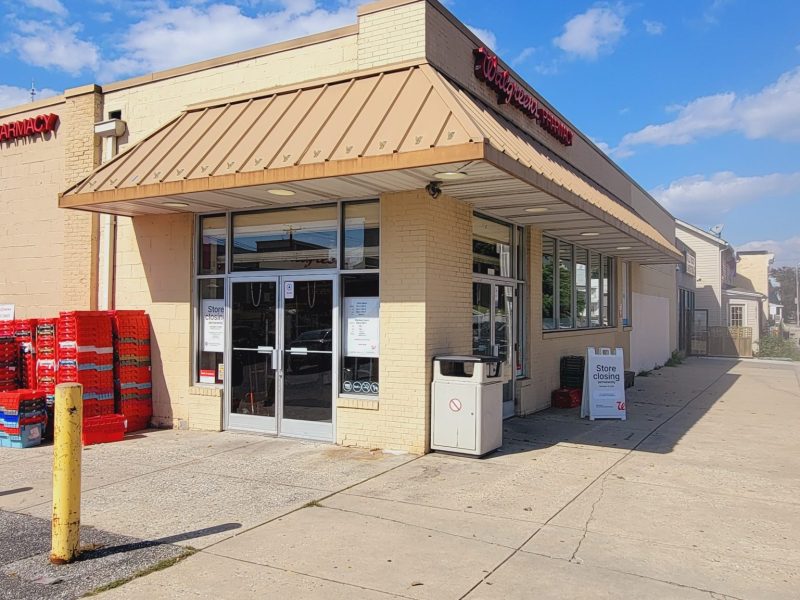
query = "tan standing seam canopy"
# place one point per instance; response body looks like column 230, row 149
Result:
column 368, row 123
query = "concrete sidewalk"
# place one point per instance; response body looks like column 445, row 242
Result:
column 696, row 495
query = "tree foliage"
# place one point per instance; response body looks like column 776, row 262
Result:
column 786, row 278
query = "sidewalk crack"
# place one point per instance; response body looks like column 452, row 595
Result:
column 574, row 557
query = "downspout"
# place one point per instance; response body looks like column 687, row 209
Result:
column 109, row 131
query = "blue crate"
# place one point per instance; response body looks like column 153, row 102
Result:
column 29, row 436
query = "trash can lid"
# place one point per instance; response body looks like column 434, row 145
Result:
column 470, row 358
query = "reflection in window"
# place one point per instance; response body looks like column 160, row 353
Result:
column 548, row 278
column 361, row 235
column 565, row 285
column 581, row 280
column 212, row 245
column 299, row 238
column 360, row 334
column 608, row 309
column 491, row 247
column 594, row 302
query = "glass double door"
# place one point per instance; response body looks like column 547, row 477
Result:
column 280, row 359
column 493, row 331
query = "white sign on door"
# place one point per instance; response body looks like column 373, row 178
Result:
column 288, row 290
column 604, row 384
column 6, row 312
column 213, row 325
column 362, row 326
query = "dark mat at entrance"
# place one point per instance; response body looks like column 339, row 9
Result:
column 26, row 572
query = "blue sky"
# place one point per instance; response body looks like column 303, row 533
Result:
column 699, row 100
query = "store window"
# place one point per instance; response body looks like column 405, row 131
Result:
column 625, row 273
column 297, row 238
column 548, row 281
column 211, row 333
column 213, row 236
column 565, row 286
column 491, row 247
column 361, row 235
column 580, row 292
column 360, row 334
column 581, row 287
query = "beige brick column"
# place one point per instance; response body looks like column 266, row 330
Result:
column 83, row 108
column 426, row 309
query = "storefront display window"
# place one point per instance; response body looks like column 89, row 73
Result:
column 491, row 247
column 565, row 285
column 287, row 239
column 580, row 293
column 581, row 280
column 211, row 331
column 360, row 334
column 213, row 235
column 361, row 225
column 548, row 280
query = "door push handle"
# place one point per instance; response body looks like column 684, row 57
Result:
column 299, row 351
column 265, row 349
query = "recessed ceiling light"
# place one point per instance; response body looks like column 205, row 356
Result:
column 450, row 175
column 623, row 247
column 175, row 204
column 281, row 192
column 590, row 234
column 537, row 209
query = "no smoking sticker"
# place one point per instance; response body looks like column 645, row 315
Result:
column 455, row 404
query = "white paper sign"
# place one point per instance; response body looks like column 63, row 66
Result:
column 213, row 325
column 288, row 290
column 363, row 327
column 6, row 312
column 604, row 384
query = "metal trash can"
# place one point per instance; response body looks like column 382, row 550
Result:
column 467, row 404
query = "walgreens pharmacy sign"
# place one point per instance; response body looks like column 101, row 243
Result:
column 510, row 91
column 28, row 127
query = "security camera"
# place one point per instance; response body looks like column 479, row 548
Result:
column 433, row 189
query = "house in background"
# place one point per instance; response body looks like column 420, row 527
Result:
column 752, row 273
column 728, row 308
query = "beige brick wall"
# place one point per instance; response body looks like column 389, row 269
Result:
column 147, row 107
column 391, row 35
column 426, row 309
column 82, row 109
column 154, row 273
column 31, row 225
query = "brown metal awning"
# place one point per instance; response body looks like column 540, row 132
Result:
column 357, row 137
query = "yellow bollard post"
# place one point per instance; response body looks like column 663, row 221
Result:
column 67, row 448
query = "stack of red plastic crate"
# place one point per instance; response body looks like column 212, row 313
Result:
column 132, row 378
column 24, row 333
column 85, row 356
column 9, row 357
column 22, row 418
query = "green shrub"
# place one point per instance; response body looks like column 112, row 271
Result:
column 774, row 346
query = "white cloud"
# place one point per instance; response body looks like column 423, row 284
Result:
column 524, row 55
column 653, row 27
column 593, row 32
column 773, row 112
column 11, row 95
column 45, row 45
column 486, row 36
column 698, row 197
column 787, row 252
column 52, row 6
column 167, row 37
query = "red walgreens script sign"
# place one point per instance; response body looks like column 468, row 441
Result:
column 509, row 91
column 28, row 127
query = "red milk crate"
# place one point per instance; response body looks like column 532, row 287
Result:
column 103, row 429
column 566, row 397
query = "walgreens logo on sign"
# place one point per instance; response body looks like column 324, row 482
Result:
column 28, row 127
column 510, row 91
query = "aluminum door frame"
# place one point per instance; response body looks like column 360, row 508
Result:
column 302, row 429
column 312, row 430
